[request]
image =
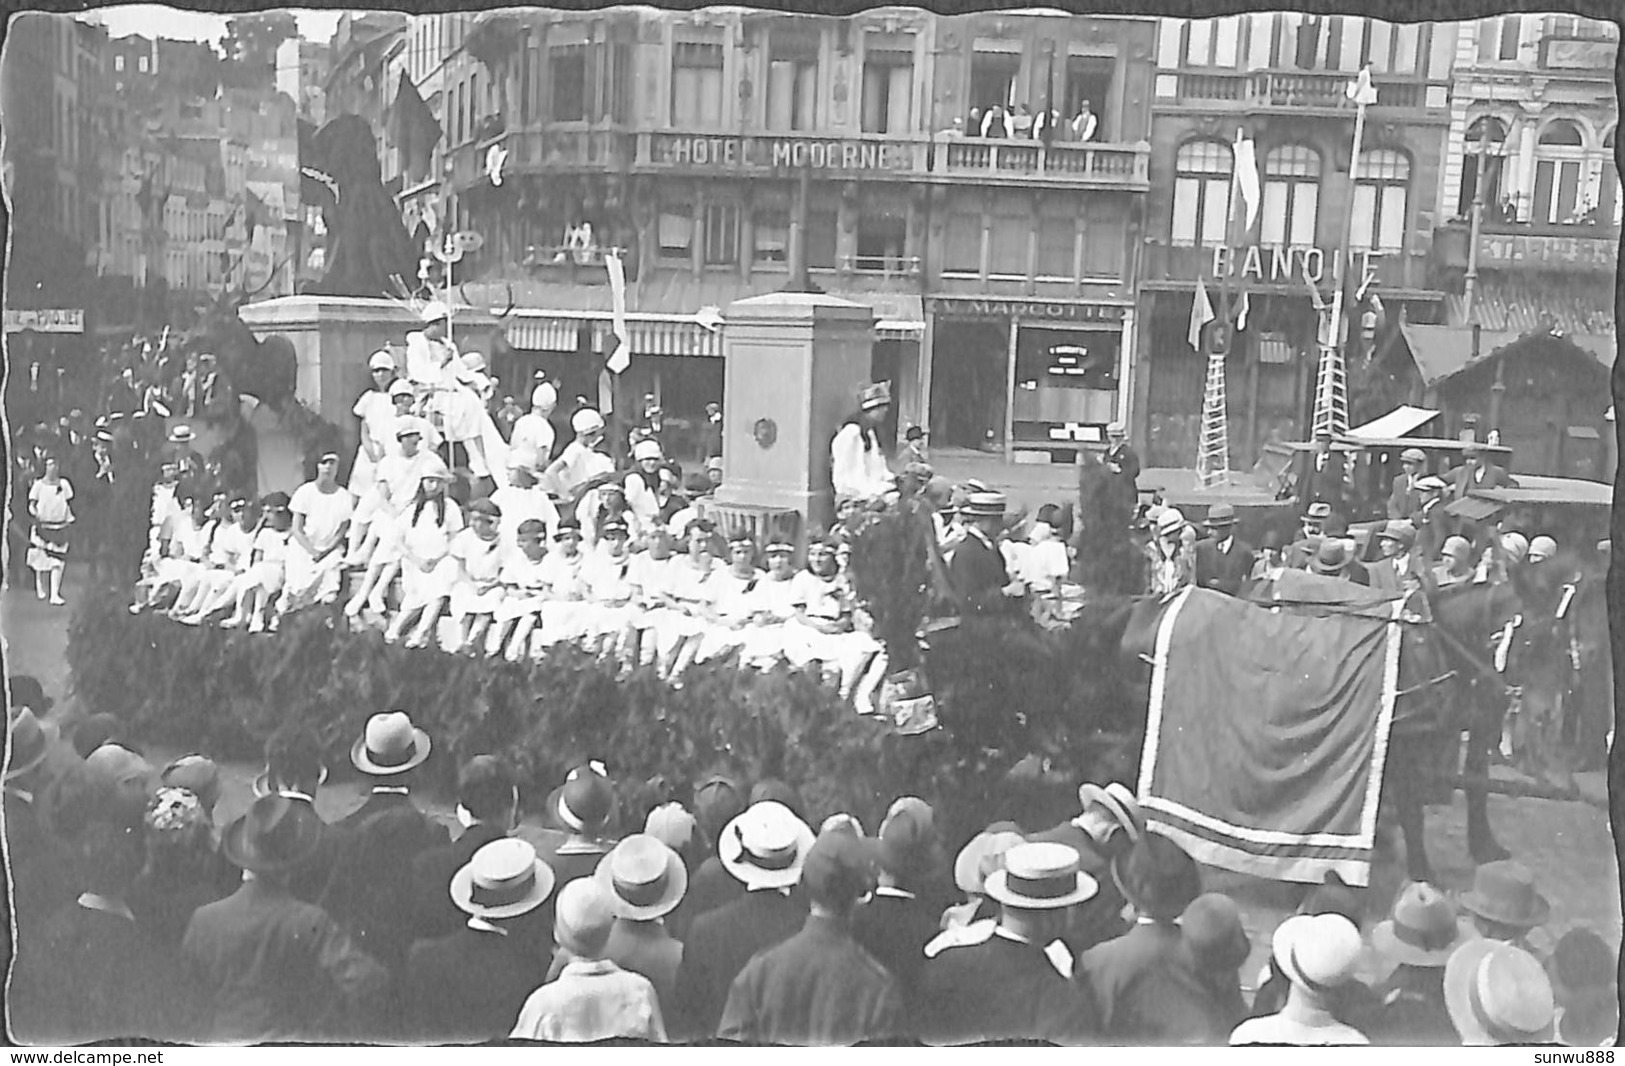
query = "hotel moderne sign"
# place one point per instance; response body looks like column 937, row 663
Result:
column 776, row 153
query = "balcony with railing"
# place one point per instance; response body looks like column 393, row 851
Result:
column 893, row 157
column 1298, row 91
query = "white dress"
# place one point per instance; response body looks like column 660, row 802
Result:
column 857, row 473
column 524, row 584
column 394, row 493
column 733, row 598
column 476, row 588
column 188, row 542
column 822, row 599
column 325, row 514
column 775, row 599
column 427, row 568
column 610, row 593
column 564, row 610
column 48, row 538
column 269, row 554
column 532, row 443
column 377, row 413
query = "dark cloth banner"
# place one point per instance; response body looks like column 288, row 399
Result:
column 1267, row 735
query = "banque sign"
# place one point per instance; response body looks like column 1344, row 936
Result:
column 1288, row 264
column 775, row 153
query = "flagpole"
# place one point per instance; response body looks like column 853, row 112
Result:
column 1325, row 407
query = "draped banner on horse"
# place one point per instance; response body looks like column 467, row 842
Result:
column 1268, row 733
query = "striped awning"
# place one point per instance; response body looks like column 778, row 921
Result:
column 549, row 334
column 674, row 335
column 891, row 329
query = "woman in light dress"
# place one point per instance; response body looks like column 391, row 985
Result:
column 524, row 586
column 49, row 500
column 427, row 569
column 476, row 589
column 564, row 607
column 182, row 550
column 257, row 588
column 231, row 543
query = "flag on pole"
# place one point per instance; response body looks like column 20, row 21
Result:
column 1247, row 176
column 621, row 357
column 1243, row 306
column 1361, row 91
column 1201, row 314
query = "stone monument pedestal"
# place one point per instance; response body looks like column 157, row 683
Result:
column 795, row 362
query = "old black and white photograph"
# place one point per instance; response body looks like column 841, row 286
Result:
column 727, row 524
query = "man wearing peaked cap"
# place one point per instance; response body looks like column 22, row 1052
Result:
column 1142, row 982
column 371, row 890
column 819, row 987
column 764, row 848
column 905, row 912
column 1403, row 498
column 1011, row 979
column 468, row 985
column 580, row 811
column 274, row 967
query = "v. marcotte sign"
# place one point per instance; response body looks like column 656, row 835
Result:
column 45, row 319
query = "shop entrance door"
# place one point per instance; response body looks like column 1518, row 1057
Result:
column 969, row 377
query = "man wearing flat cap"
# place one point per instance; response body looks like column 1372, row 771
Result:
column 1012, row 979
column 371, row 890
column 1322, row 473
column 1403, row 499
column 1478, row 471
column 820, row 987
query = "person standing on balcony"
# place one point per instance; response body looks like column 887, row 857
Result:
column 1021, row 123
column 1084, row 123
column 1044, row 125
column 996, row 123
column 973, row 128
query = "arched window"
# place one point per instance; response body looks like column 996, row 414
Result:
column 1291, row 196
column 1483, row 151
column 1559, row 164
column 1381, row 188
column 1201, row 193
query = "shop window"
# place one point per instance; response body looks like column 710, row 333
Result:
column 1484, row 150
column 770, row 232
column 1559, row 161
column 676, row 226
column 721, row 234
column 882, row 239
column 820, row 240
column 962, row 252
column 1291, row 196
column 1201, row 194
column 569, row 68
column 1381, row 191
column 696, row 85
column 888, row 90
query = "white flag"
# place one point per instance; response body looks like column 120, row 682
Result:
column 1361, row 90
column 1201, row 314
column 1247, row 176
column 621, row 357
column 1243, row 305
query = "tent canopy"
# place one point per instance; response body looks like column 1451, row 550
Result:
column 1400, row 422
column 1442, row 352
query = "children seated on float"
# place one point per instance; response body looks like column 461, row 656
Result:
column 476, row 590
column 652, row 573
column 730, row 607
column 427, row 569
column 563, row 604
column 524, row 586
column 313, row 572
column 231, row 543
column 772, row 603
column 182, row 543
column 522, row 500
column 394, row 491
column 380, row 431
column 252, row 593
column 689, row 597
column 608, row 612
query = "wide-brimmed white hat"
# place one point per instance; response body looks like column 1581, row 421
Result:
column 586, row 421
column 503, row 879
column 646, row 878
column 1041, row 876
column 390, row 745
column 765, row 846
column 1498, row 994
column 1170, row 521
column 1317, row 951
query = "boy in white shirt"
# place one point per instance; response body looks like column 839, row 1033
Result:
column 524, row 583
column 610, row 590
column 321, row 515
column 563, row 613
column 731, row 595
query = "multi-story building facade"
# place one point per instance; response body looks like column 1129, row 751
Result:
column 1282, row 80
column 1527, row 243
column 707, row 144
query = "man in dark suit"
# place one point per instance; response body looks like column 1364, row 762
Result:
column 1224, row 562
column 1143, row 984
column 1122, row 486
column 1433, row 525
column 275, row 968
column 819, row 987
column 488, row 805
column 901, row 918
column 1322, row 474
column 581, row 808
column 469, row 985
column 1011, row 979
column 293, row 768
column 1403, row 499
column 717, row 801
column 977, row 571
column 371, row 890
column 764, row 848
column 1478, row 472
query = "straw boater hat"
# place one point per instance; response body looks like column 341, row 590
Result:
column 1170, row 520
column 277, row 833
column 1498, row 994
column 1157, row 877
column 1119, row 802
column 1504, row 892
column 586, row 800
column 503, row 879
column 30, row 742
column 1040, row 877
column 390, row 745
column 645, row 878
column 765, row 846
column 984, row 505
column 1317, row 952
column 1424, row 929
column 876, row 394
column 182, row 435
